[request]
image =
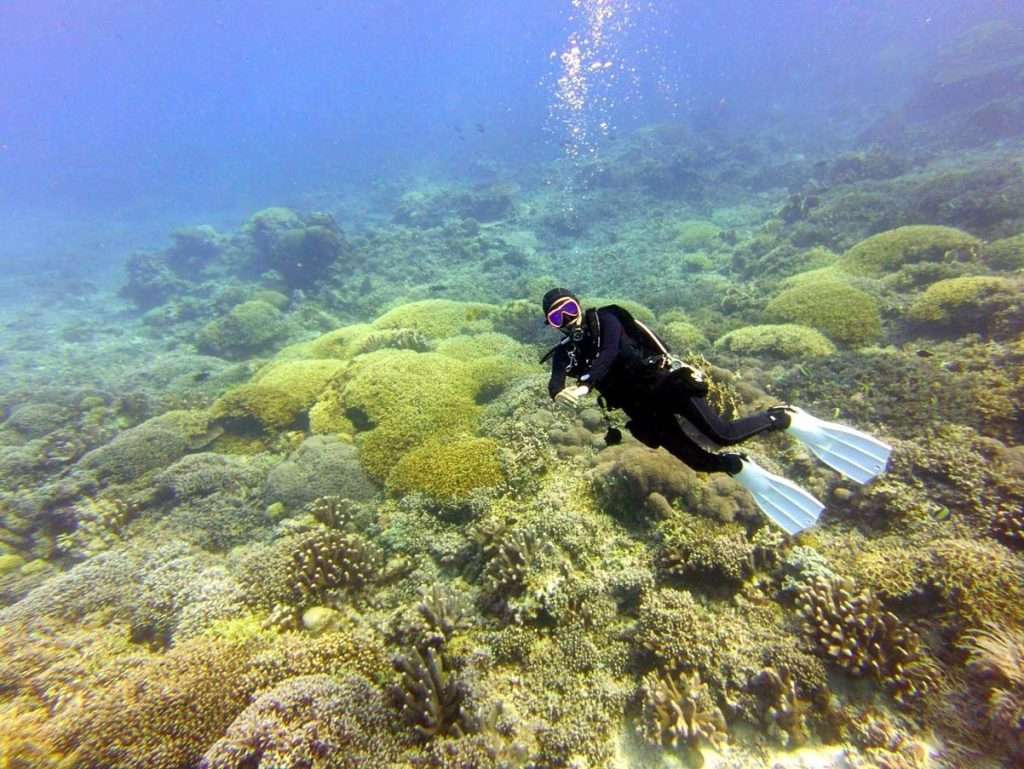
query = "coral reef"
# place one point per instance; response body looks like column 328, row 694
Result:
column 311, row 567
column 154, row 444
column 301, row 249
column 966, row 303
column 784, row 712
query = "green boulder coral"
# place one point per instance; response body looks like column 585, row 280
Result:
column 249, row 328
column 448, row 471
column 786, row 340
column 156, row 443
column 439, row 318
column 1006, row 254
column 399, row 399
column 696, row 234
column 258, row 407
column 887, row 252
column 840, row 311
column 969, row 300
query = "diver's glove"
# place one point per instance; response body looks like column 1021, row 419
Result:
column 570, row 396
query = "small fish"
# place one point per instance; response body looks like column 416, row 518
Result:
column 924, row 353
column 480, row 128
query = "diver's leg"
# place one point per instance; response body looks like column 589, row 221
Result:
column 665, row 432
column 727, row 432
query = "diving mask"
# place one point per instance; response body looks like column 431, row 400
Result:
column 563, row 311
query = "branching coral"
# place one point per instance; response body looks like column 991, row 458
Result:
column 885, row 746
column 324, row 560
column 429, row 697
column 444, row 613
column 308, row 568
column 1008, row 525
column 784, row 712
column 678, row 710
column 333, row 511
column 854, row 631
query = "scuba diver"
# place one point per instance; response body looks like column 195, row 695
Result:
column 608, row 350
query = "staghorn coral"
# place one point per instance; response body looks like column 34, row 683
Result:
column 1008, row 525
column 309, row 721
column 677, row 710
column 333, row 511
column 973, row 580
column 884, row 745
column 99, row 524
column 510, row 556
column 429, row 698
column 854, row 631
column 784, row 712
column 165, row 711
column 676, row 631
column 324, row 560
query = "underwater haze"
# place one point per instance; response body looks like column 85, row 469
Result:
column 284, row 485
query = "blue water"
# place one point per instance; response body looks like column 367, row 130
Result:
column 120, row 121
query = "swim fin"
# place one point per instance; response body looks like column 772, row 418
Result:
column 856, row 455
column 785, row 503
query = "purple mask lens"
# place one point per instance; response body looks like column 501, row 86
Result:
column 558, row 316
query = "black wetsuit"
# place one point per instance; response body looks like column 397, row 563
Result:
column 651, row 394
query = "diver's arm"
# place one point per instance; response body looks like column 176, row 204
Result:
column 558, row 363
column 611, row 336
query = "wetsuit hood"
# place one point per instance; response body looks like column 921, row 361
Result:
column 554, row 295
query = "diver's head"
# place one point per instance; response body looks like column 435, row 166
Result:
column 562, row 310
